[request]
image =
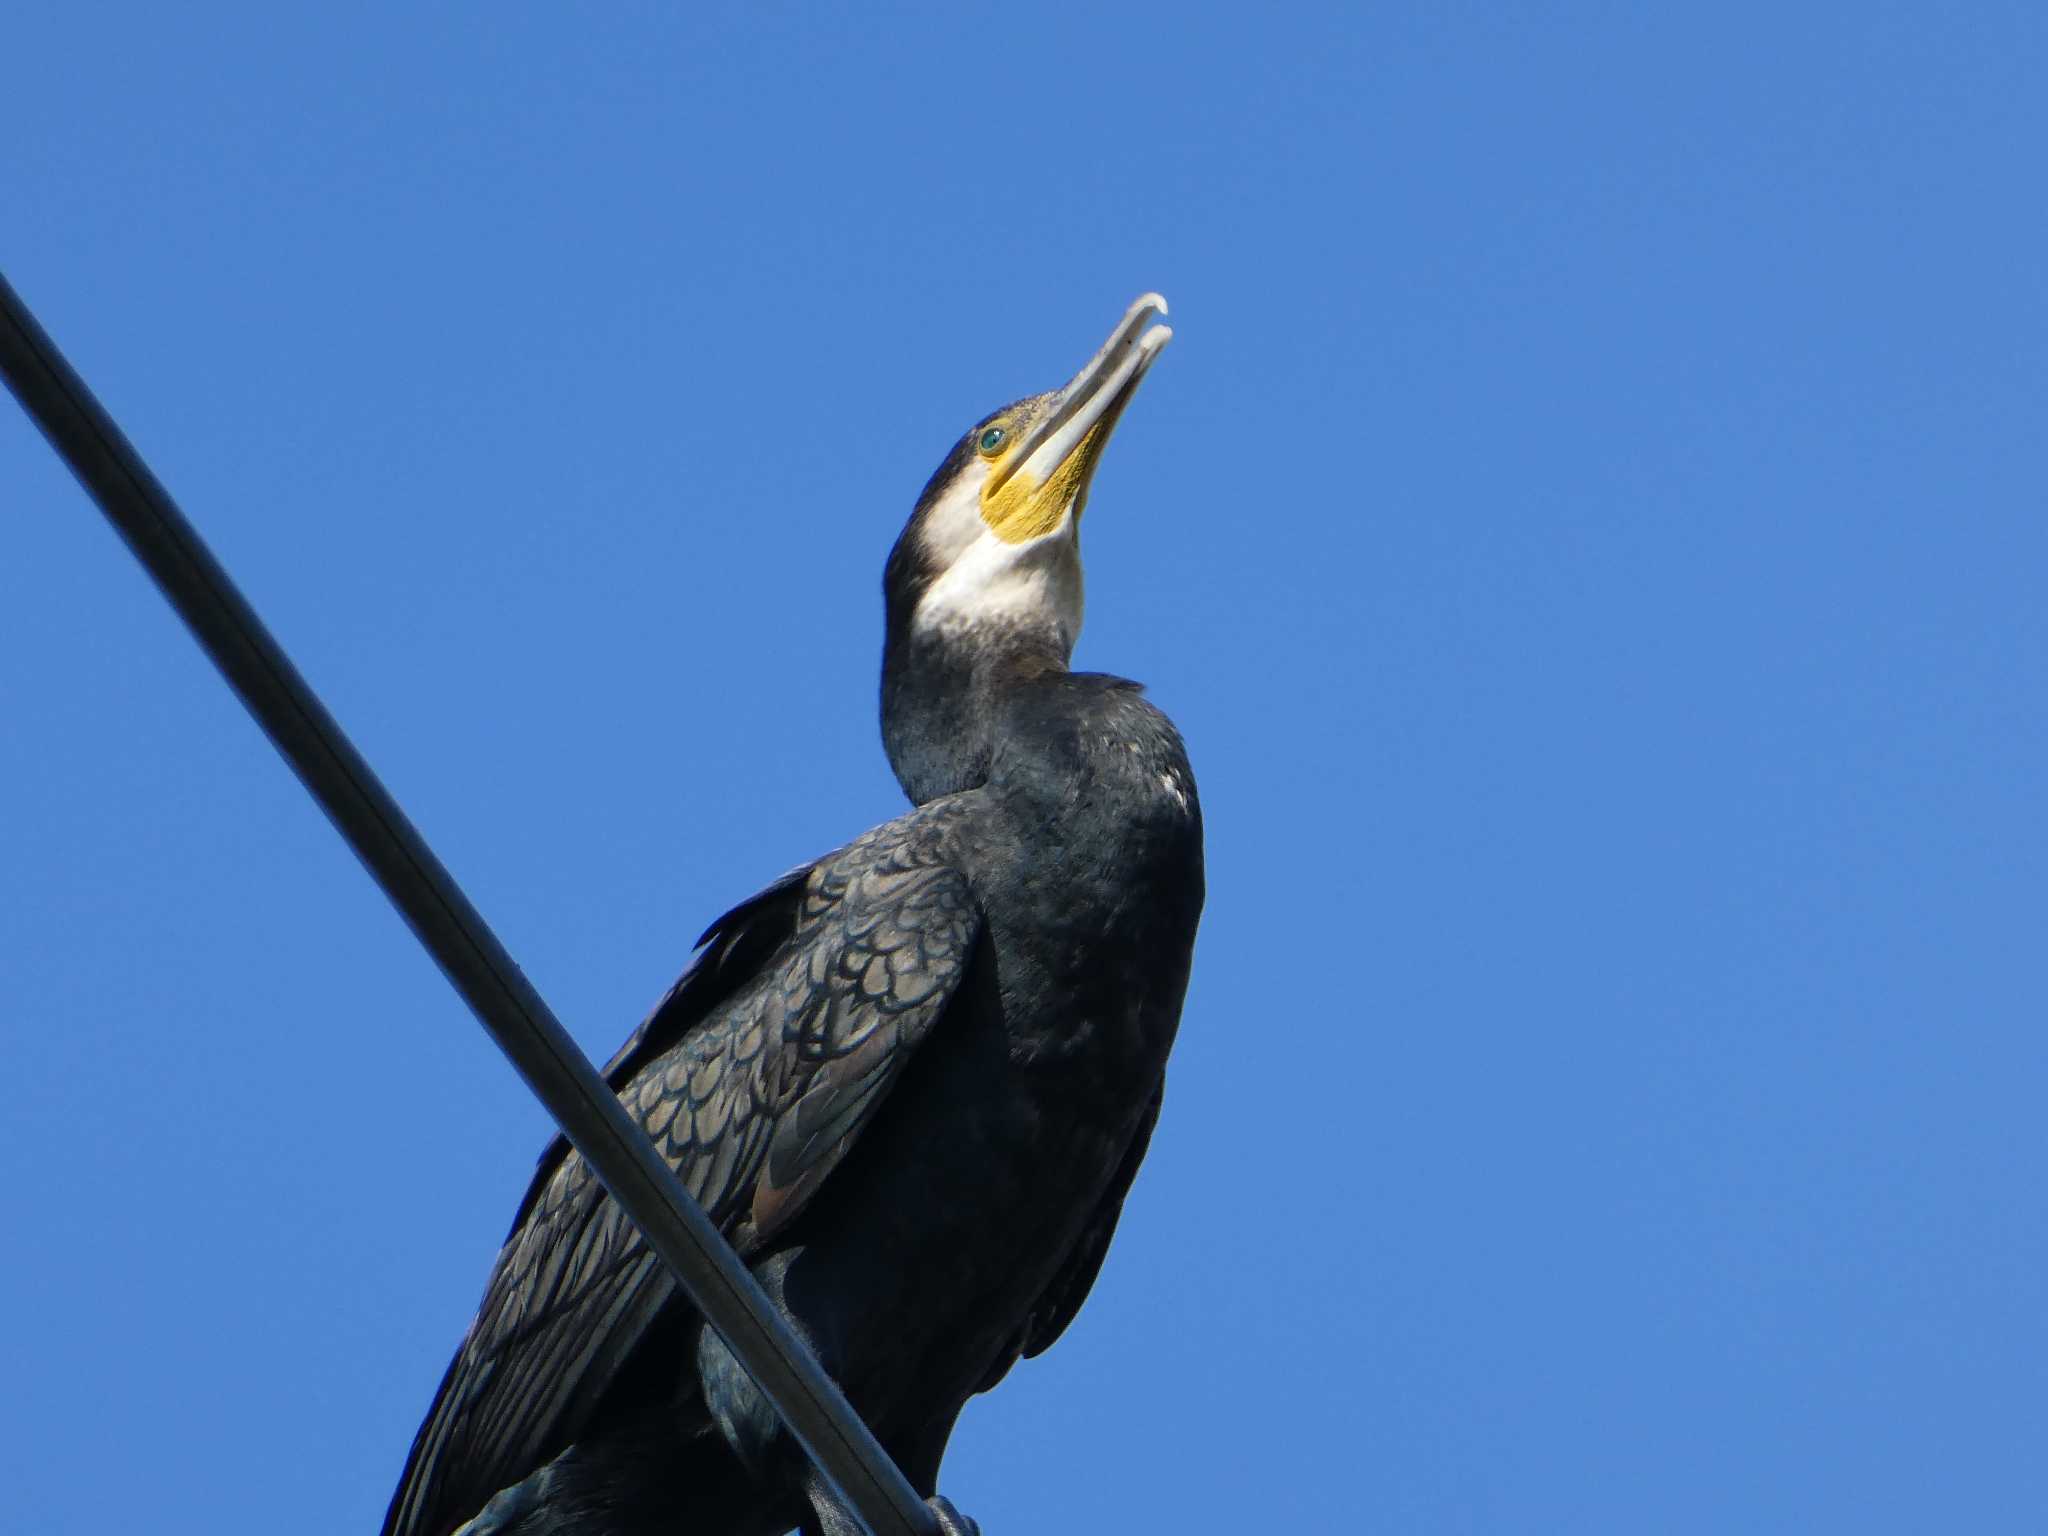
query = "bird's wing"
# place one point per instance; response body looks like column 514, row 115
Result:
column 1071, row 1284
column 753, row 1077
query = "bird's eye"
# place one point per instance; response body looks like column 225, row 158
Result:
column 993, row 439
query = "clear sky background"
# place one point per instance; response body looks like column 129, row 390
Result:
column 1590, row 527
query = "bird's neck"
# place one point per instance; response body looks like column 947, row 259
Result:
column 942, row 698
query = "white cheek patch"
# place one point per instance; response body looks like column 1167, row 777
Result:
column 994, row 585
column 952, row 526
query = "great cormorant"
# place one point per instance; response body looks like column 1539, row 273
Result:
column 911, row 1082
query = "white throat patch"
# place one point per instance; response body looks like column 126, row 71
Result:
column 985, row 582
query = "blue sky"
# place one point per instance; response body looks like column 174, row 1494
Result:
column 1590, row 527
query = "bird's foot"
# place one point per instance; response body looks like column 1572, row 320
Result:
column 831, row 1517
column 951, row 1521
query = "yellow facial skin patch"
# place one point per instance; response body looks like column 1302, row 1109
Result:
column 1022, row 509
column 1074, row 424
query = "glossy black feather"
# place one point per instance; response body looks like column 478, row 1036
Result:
column 1076, row 1278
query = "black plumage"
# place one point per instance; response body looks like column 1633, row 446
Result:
column 911, row 1082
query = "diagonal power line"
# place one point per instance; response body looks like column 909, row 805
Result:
column 452, row 930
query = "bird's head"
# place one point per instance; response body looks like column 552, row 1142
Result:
column 989, row 566
column 994, row 544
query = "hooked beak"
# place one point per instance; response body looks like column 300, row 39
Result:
column 1066, row 445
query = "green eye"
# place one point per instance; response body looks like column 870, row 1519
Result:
column 993, row 439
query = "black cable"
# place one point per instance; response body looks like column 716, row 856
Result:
column 452, row 930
